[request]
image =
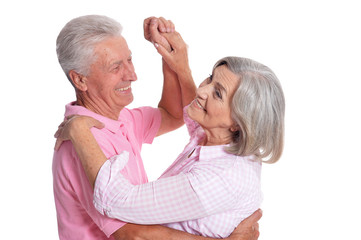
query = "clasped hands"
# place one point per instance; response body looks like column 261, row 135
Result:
column 168, row 42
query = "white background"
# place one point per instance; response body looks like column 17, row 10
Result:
column 313, row 192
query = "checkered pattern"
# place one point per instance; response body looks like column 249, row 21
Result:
column 206, row 191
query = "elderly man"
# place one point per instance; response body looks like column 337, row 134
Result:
column 97, row 61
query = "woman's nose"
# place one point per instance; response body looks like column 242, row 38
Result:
column 202, row 92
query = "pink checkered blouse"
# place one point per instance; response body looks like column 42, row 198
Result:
column 206, row 191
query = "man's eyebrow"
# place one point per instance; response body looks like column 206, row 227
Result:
column 113, row 64
column 119, row 62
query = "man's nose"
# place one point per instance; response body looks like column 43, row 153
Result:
column 130, row 72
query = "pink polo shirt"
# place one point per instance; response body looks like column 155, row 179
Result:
column 76, row 214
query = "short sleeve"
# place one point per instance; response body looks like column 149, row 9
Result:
column 73, row 194
column 146, row 123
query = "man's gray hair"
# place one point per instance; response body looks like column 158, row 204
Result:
column 76, row 41
column 258, row 108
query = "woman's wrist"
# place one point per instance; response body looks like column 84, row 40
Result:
column 78, row 129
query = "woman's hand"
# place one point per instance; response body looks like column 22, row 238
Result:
column 72, row 124
column 153, row 27
column 177, row 59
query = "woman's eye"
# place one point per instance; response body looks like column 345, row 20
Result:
column 218, row 94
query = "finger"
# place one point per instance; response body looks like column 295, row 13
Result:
column 147, row 21
column 255, row 217
column 256, row 226
column 175, row 39
column 70, row 116
column 57, row 133
column 172, row 26
column 162, row 51
column 168, row 25
column 256, row 235
column 58, row 144
column 162, row 25
column 98, row 124
column 154, row 22
column 146, row 25
column 158, row 38
column 61, row 124
column 153, row 30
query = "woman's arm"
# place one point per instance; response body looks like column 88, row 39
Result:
column 77, row 129
column 204, row 191
column 173, row 199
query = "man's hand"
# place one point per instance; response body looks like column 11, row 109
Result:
column 248, row 229
column 153, row 27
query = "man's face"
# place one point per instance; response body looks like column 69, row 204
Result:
column 110, row 77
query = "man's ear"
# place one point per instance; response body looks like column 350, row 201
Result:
column 78, row 80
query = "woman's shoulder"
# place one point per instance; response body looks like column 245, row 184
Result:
column 233, row 166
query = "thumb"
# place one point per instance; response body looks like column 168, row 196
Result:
column 256, row 216
column 58, row 144
column 95, row 123
column 162, row 51
column 99, row 124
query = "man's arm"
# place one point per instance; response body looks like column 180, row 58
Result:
column 170, row 104
column 178, row 86
column 246, row 230
column 176, row 62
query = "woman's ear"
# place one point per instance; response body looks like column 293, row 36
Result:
column 234, row 128
column 78, row 80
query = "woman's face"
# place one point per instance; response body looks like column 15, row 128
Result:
column 212, row 106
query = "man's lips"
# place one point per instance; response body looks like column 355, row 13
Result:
column 123, row 89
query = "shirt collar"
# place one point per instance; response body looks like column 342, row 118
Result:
column 209, row 153
column 112, row 125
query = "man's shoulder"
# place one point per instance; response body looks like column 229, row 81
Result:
column 138, row 110
column 139, row 114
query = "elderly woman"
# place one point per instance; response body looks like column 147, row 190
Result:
column 235, row 123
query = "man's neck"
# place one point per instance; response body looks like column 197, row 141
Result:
column 101, row 109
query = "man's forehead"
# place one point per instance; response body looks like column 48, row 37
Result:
column 113, row 51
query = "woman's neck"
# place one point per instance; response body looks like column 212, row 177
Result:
column 213, row 140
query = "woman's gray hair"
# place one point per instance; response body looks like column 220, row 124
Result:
column 76, row 41
column 258, row 108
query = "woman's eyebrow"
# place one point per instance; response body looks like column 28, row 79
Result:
column 220, row 86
